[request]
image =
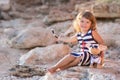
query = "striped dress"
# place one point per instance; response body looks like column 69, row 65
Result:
column 84, row 51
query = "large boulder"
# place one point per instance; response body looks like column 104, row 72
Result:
column 101, row 9
column 107, row 10
column 39, row 2
column 45, row 54
column 33, row 37
column 57, row 16
column 5, row 5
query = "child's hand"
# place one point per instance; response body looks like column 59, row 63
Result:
column 102, row 47
column 59, row 39
column 88, row 45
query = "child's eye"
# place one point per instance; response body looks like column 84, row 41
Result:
column 87, row 22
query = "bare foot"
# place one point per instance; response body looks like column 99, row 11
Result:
column 52, row 70
column 99, row 66
column 91, row 66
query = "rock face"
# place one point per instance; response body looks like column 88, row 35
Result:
column 26, row 71
column 57, row 16
column 38, row 2
column 5, row 5
column 20, row 24
column 107, row 10
column 44, row 55
column 32, row 37
column 101, row 9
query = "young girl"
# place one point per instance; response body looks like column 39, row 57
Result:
column 87, row 34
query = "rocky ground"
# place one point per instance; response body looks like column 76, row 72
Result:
column 24, row 27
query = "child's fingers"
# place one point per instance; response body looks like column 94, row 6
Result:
column 88, row 45
column 102, row 47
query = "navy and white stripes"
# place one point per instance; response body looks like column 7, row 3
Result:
column 84, row 51
column 87, row 39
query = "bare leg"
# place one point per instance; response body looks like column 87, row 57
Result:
column 71, row 64
column 63, row 62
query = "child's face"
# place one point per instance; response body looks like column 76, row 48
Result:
column 85, row 24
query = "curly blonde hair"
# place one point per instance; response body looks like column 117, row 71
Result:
column 86, row 14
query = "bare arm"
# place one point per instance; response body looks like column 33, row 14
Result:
column 97, row 37
column 72, row 39
column 100, row 41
